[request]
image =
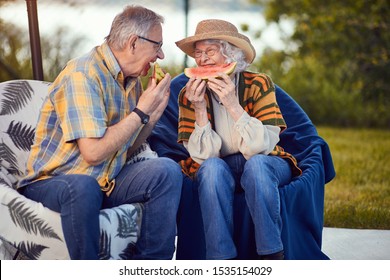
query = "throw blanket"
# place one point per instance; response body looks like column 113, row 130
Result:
column 302, row 201
column 253, row 86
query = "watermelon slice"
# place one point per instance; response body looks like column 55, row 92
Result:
column 158, row 73
column 206, row 72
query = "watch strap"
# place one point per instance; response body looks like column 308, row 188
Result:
column 144, row 117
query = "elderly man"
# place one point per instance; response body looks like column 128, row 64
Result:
column 92, row 126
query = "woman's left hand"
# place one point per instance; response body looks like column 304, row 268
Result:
column 226, row 91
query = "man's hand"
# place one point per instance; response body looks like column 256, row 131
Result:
column 154, row 99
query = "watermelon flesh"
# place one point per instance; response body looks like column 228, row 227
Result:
column 206, row 72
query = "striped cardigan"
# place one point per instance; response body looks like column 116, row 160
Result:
column 257, row 97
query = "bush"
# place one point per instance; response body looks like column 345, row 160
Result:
column 327, row 96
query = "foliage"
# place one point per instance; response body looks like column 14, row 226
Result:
column 337, row 62
column 14, row 59
column 15, row 54
column 359, row 196
column 58, row 50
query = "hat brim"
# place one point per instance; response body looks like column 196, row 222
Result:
column 187, row 45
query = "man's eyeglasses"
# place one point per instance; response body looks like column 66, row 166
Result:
column 208, row 52
column 158, row 44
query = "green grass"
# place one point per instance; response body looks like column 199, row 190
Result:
column 359, row 195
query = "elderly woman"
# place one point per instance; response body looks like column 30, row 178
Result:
column 230, row 126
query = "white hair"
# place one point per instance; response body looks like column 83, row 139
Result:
column 133, row 20
column 231, row 53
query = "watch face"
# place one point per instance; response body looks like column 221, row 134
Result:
column 144, row 117
column 145, row 120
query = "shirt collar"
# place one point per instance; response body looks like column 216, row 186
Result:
column 110, row 60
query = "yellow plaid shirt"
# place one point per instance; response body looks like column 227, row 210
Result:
column 86, row 98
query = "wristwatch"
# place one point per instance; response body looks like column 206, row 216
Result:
column 144, row 117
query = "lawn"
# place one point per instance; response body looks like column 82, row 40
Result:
column 359, row 195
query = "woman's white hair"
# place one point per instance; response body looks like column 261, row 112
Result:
column 133, row 20
column 231, row 53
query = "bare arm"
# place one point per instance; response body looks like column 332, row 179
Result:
column 152, row 102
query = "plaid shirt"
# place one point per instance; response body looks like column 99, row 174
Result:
column 87, row 97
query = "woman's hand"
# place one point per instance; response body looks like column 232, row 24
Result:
column 226, row 91
column 195, row 91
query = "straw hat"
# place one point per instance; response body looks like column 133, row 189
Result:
column 218, row 29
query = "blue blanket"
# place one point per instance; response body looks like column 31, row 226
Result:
column 302, row 201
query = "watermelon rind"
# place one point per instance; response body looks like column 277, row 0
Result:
column 206, row 72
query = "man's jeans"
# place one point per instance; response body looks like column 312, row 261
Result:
column 260, row 178
column 156, row 183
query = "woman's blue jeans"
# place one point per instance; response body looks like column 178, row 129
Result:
column 156, row 183
column 260, row 177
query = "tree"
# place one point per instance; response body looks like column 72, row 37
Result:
column 15, row 53
column 342, row 49
column 14, row 62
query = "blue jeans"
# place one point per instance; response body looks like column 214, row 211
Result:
column 260, row 177
column 156, row 183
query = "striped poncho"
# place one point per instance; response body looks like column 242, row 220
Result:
column 257, row 97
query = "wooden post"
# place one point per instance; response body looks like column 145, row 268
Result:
column 186, row 9
column 35, row 42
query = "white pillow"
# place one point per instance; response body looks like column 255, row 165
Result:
column 20, row 103
column 30, row 227
column 37, row 231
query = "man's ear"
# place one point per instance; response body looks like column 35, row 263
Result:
column 132, row 42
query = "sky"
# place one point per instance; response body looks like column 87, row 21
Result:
column 92, row 20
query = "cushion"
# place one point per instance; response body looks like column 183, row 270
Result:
column 37, row 232
column 30, row 227
column 20, row 102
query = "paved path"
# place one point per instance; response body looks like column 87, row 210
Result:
column 353, row 244
column 356, row 244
